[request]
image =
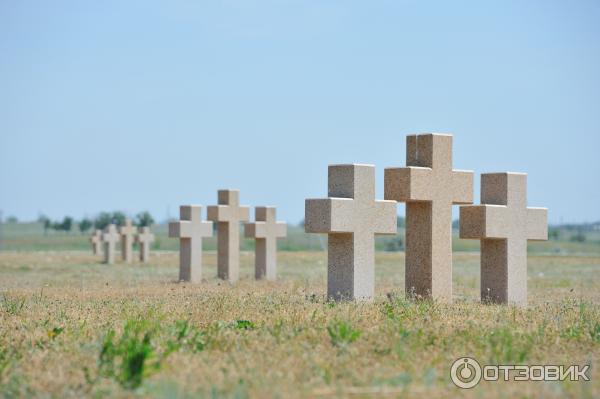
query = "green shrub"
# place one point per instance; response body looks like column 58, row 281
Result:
column 508, row 347
column 12, row 306
column 595, row 333
column 188, row 337
column 130, row 358
column 243, row 325
column 341, row 333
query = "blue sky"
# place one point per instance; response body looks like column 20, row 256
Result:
column 124, row 105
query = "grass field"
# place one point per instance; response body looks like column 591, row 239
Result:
column 72, row 327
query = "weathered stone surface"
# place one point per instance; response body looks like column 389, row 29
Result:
column 228, row 214
column 144, row 239
column 265, row 230
column 127, row 232
column 190, row 230
column 430, row 187
column 110, row 238
column 504, row 223
column 351, row 217
column 96, row 241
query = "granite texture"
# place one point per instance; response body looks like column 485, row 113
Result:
column 190, row 230
column 110, row 238
column 127, row 232
column 96, row 241
column 430, row 187
column 228, row 214
column 351, row 217
column 504, row 223
column 265, row 230
column 144, row 239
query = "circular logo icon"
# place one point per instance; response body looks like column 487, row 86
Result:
column 465, row 372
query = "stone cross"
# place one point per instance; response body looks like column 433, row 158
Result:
column 504, row 223
column 430, row 187
column 351, row 217
column 228, row 215
column 190, row 230
column 266, row 229
column 96, row 241
column 144, row 239
column 110, row 238
column 127, row 232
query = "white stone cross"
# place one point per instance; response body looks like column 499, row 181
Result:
column 504, row 223
column 96, row 241
column 430, row 187
column 351, row 217
column 266, row 229
column 144, row 239
column 110, row 238
column 228, row 215
column 127, row 232
column 190, row 230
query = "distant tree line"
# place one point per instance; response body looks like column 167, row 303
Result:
column 101, row 221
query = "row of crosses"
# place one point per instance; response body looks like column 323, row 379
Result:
column 429, row 186
column 127, row 234
column 228, row 214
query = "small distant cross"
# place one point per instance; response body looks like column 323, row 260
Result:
column 266, row 229
column 504, row 223
column 110, row 238
column 228, row 214
column 144, row 239
column 190, row 230
column 96, row 241
column 127, row 232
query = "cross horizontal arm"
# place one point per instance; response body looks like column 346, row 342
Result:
column 281, row 229
column 261, row 229
column 318, row 215
column 462, row 183
column 226, row 213
column 250, row 231
column 537, row 224
column 345, row 215
column 385, row 218
column 180, row 229
column 484, row 221
column 411, row 183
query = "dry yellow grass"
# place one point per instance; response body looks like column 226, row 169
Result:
column 401, row 349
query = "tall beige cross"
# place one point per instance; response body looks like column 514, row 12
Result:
column 127, row 232
column 96, row 241
column 504, row 223
column 228, row 215
column 110, row 238
column 430, row 187
column 266, row 229
column 351, row 217
column 144, row 239
column 190, row 230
